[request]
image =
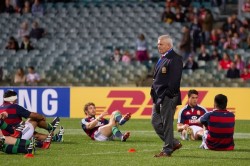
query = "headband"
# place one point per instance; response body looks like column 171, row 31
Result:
column 10, row 99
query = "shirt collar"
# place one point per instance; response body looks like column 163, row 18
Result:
column 163, row 55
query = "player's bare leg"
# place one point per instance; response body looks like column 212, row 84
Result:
column 199, row 134
column 112, row 127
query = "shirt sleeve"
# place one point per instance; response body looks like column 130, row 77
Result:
column 84, row 123
column 205, row 118
column 22, row 112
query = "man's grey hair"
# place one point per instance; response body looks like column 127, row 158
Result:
column 167, row 38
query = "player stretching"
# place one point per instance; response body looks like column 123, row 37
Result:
column 100, row 129
column 17, row 112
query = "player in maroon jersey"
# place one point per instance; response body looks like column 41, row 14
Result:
column 100, row 129
column 186, row 123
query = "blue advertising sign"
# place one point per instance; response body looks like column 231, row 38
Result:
column 49, row 101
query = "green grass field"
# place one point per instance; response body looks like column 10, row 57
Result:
column 78, row 149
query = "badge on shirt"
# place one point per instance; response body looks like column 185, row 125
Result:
column 198, row 113
column 164, row 70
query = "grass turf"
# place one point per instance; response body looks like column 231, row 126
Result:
column 78, row 149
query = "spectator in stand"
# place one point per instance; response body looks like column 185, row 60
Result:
column 12, row 44
column 236, row 39
column 236, row 21
column 233, row 72
column 185, row 45
column 215, row 55
column 32, row 77
column 179, row 16
column 214, row 39
column 117, row 57
column 37, row 8
column 203, row 56
column 126, row 58
column 248, row 42
column 184, row 3
column 242, row 36
column 171, row 3
column 8, row 7
column 27, row 8
column 221, row 38
column 248, row 65
column 225, row 63
column 19, row 5
column 240, row 64
column 26, row 44
column 228, row 24
column 37, row 32
column 168, row 16
column 195, row 34
column 207, row 25
column 23, row 30
column 191, row 63
column 20, row 77
column 230, row 44
column 141, row 49
column 246, row 6
column 190, row 14
column 245, row 74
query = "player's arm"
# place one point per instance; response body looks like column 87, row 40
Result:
column 36, row 116
column 22, row 112
column 181, row 127
column 94, row 123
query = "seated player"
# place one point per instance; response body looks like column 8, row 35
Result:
column 186, row 123
column 219, row 126
column 17, row 112
column 100, row 129
column 13, row 144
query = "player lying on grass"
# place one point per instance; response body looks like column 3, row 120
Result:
column 219, row 125
column 187, row 119
column 17, row 112
column 13, row 144
column 100, row 129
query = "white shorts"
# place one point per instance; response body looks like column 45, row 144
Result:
column 195, row 129
column 99, row 136
column 28, row 131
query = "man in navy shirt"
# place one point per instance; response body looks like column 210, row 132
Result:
column 220, row 126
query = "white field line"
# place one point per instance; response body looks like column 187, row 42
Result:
column 113, row 152
column 147, row 132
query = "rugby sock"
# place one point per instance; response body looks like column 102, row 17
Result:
column 22, row 142
column 55, row 138
column 39, row 144
column 13, row 149
column 5, row 126
column 118, row 116
column 49, row 127
column 116, row 132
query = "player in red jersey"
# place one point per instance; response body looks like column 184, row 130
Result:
column 186, row 123
column 219, row 125
column 100, row 129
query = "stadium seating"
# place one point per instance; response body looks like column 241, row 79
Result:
column 82, row 36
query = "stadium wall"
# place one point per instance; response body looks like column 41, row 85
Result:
column 69, row 101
